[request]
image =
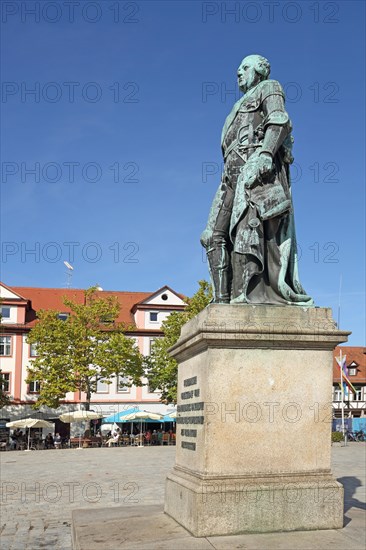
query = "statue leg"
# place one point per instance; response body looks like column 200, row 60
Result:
column 219, row 261
column 247, row 260
column 245, row 267
column 219, row 251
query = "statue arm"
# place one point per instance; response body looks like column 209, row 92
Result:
column 277, row 125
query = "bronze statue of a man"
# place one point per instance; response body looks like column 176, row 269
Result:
column 250, row 236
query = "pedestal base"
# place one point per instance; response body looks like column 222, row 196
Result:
column 254, row 422
column 262, row 505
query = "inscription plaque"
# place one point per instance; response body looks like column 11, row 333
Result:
column 187, row 408
column 188, row 445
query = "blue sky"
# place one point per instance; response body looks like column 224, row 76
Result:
column 123, row 136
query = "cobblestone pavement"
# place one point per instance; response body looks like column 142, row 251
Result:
column 41, row 488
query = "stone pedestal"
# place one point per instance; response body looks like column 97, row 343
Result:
column 254, row 422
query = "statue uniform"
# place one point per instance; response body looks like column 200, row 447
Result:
column 250, row 237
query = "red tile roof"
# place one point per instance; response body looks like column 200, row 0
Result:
column 51, row 298
column 355, row 354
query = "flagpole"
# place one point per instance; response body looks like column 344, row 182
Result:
column 339, row 302
column 343, row 377
column 342, row 393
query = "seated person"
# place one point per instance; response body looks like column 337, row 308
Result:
column 115, row 437
column 100, row 438
column 49, row 442
column 57, row 441
column 13, row 442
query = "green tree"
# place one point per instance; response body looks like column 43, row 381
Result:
column 76, row 353
column 4, row 397
column 161, row 370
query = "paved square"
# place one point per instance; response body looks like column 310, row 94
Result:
column 41, row 488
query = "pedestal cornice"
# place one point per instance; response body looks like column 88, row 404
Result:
column 261, row 327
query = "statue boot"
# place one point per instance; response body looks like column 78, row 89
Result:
column 219, row 262
column 245, row 267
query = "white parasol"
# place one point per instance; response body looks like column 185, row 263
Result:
column 142, row 416
column 79, row 416
column 29, row 423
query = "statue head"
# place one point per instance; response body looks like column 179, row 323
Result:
column 252, row 70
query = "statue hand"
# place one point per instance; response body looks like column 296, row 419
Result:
column 257, row 170
column 265, row 165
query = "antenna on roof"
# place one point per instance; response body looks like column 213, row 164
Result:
column 69, row 271
column 339, row 302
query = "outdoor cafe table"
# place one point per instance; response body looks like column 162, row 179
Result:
column 85, row 441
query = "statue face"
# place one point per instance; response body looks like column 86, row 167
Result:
column 247, row 75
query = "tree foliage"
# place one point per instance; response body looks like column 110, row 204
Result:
column 89, row 346
column 161, row 370
column 4, row 397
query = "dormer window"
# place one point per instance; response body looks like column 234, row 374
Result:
column 352, row 369
column 153, row 316
column 5, row 312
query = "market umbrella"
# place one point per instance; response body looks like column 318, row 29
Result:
column 118, row 417
column 79, row 416
column 142, row 416
column 29, row 423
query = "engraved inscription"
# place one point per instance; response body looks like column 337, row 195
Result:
column 187, row 394
column 188, row 445
column 190, row 381
column 188, row 433
column 185, row 408
column 191, row 407
column 189, row 419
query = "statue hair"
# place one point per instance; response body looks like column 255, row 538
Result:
column 261, row 65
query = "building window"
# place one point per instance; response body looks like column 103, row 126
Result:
column 34, row 387
column 151, row 343
column 63, row 316
column 5, row 381
column 121, row 384
column 5, row 312
column 150, row 390
column 352, row 369
column 102, row 387
column 337, row 394
column 5, row 346
column 33, row 350
column 358, row 394
column 153, row 316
